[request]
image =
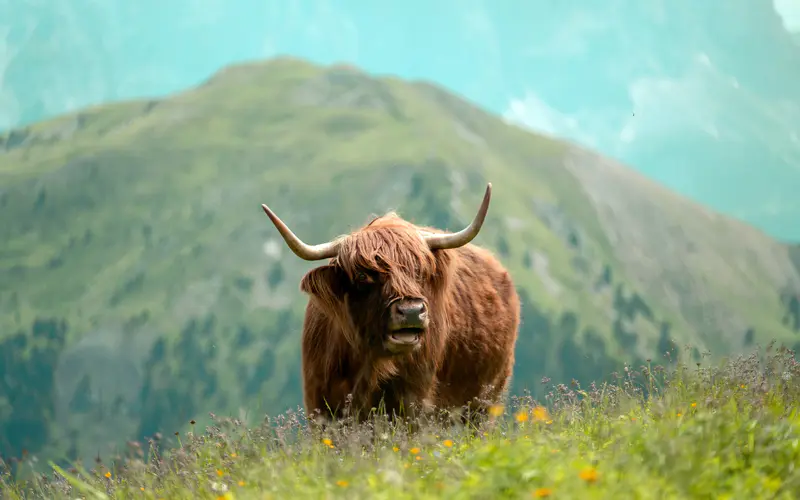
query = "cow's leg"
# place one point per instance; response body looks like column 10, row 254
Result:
column 494, row 394
column 502, row 385
column 419, row 406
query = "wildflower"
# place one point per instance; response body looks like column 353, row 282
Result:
column 219, row 487
column 220, row 473
column 680, row 414
column 743, row 386
column 542, row 492
column 548, row 422
column 448, row 443
column 142, row 488
column 589, row 474
column 496, row 410
column 241, row 483
column 395, row 449
column 414, row 451
column 342, row 483
column 226, row 496
column 694, row 405
column 418, row 457
column 327, row 442
column 108, row 475
column 522, row 416
column 233, row 455
column 540, row 414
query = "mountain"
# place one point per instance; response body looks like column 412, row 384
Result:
column 141, row 285
column 704, row 102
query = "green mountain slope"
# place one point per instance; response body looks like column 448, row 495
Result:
column 141, row 285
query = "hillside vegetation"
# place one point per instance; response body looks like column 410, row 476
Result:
column 141, row 285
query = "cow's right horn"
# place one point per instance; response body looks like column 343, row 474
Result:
column 461, row 238
column 296, row 245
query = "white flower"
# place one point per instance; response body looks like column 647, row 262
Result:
column 219, row 487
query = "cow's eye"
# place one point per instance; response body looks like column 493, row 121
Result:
column 363, row 281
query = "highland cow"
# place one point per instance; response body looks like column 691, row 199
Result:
column 406, row 316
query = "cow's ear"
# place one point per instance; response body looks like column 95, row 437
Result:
column 326, row 282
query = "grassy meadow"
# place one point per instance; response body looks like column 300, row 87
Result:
column 674, row 431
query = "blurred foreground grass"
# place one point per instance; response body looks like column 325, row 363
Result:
column 728, row 431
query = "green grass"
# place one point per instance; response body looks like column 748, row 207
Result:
column 726, row 431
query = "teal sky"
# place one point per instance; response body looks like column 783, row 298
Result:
column 701, row 96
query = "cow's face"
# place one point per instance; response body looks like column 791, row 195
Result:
column 382, row 284
column 389, row 308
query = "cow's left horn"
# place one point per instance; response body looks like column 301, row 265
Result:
column 461, row 238
column 296, row 245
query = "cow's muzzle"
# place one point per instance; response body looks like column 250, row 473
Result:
column 408, row 320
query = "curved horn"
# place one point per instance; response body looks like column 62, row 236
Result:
column 461, row 238
column 296, row 245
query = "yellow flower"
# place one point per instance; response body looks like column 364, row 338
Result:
column 448, row 443
column 542, row 492
column 540, row 414
column 142, row 488
column 233, row 455
column 680, row 414
column 226, row 496
column 241, row 483
column 418, row 457
column 522, row 416
column 694, row 405
column 589, row 474
column 743, row 386
column 342, row 483
column 414, row 451
column 108, row 475
column 220, row 473
column 496, row 410
column 395, row 449
column 327, row 442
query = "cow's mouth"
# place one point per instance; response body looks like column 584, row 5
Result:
column 403, row 338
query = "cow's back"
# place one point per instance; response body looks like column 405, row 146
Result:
column 484, row 319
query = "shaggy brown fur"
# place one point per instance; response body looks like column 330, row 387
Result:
column 467, row 351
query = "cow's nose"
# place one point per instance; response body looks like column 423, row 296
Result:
column 411, row 313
